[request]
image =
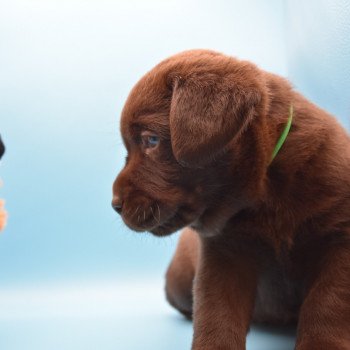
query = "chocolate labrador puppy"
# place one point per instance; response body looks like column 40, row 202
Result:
column 260, row 178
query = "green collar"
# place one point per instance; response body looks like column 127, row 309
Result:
column 284, row 134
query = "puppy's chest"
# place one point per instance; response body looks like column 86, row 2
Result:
column 275, row 227
column 280, row 279
column 279, row 294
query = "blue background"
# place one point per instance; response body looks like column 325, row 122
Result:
column 72, row 276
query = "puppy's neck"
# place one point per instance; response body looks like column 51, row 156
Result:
column 214, row 219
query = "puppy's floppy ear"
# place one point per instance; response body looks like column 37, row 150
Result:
column 207, row 111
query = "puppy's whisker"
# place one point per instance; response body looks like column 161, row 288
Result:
column 154, row 215
column 144, row 215
column 158, row 212
column 127, row 212
column 135, row 212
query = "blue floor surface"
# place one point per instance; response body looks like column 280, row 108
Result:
column 104, row 316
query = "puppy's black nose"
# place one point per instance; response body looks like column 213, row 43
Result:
column 117, row 204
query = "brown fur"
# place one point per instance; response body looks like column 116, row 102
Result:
column 265, row 241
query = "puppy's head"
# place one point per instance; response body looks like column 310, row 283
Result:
column 179, row 125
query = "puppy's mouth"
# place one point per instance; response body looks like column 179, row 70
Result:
column 160, row 220
column 173, row 224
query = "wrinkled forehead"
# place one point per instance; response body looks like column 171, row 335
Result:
column 151, row 120
column 147, row 108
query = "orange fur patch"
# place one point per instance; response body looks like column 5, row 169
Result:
column 3, row 215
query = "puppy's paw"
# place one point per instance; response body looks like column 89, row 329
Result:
column 322, row 344
column 217, row 347
column 218, row 342
column 183, row 303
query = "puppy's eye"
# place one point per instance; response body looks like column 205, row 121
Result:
column 149, row 140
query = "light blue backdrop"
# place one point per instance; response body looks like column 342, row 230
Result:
column 318, row 52
column 66, row 68
column 71, row 275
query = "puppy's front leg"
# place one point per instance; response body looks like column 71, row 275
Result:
column 224, row 294
column 324, row 321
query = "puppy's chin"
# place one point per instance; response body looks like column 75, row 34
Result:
column 178, row 221
column 160, row 230
column 169, row 223
column 165, row 230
